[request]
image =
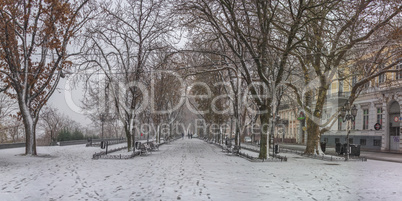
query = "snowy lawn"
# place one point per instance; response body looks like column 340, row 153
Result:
column 190, row 169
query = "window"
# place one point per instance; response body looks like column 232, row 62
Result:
column 363, row 142
column 367, row 85
column 329, row 90
column 379, row 115
column 377, row 143
column 381, row 78
column 328, row 112
column 354, row 81
column 365, row 119
column 340, row 86
column 340, row 123
column 398, row 75
column 350, row 140
column 336, row 140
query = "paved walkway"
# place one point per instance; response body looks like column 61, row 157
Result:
column 382, row 156
column 189, row 170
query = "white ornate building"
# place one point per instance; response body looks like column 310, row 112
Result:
column 380, row 102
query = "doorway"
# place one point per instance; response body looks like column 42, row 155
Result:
column 394, row 126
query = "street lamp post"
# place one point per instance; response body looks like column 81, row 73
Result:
column 275, row 120
column 103, row 119
column 348, row 115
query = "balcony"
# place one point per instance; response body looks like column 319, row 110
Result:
column 338, row 98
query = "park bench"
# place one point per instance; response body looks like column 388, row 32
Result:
column 235, row 149
column 143, row 148
column 230, row 148
column 153, row 146
column 227, row 146
column 167, row 140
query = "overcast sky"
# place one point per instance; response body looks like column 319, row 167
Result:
column 68, row 102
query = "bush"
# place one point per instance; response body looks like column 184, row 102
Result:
column 77, row 135
column 65, row 135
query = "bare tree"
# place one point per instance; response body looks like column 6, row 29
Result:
column 16, row 130
column 260, row 36
column 335, row 35
column 10, row 124
column 217, row 107
column 120, row 44
column 8, row 106
column 52, row 121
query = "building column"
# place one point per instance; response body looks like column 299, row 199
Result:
column 399, row 99
column 385, row 127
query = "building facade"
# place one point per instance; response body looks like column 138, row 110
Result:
column 288, row 129
column 377, row 125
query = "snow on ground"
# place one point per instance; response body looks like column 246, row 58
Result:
column 190, row 169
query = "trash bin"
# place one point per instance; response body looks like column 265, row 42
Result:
column 355, row 149
column 276, row 148
column 103, row 145
column 137, row 145
column 323, row 146
column 89, row 143
column 338, row 148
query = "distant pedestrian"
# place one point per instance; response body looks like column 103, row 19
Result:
column 188, row 135
column 191, row 136
column 182, row 136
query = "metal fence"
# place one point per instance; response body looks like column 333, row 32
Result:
column 96, row 142
column 12, row 145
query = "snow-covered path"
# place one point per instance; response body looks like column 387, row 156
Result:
column 190, row 169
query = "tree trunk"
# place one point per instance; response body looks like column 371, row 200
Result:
column 264, row 135
column 231, row 127
column 127, row 130
column 238, row 133
column 30, row 148
column 158, row 134
column 220, row 134
column 170, row 130
column 29, row 124
column 313, row 129
column 208, row 132
column 313, row 133
column 51, row 137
